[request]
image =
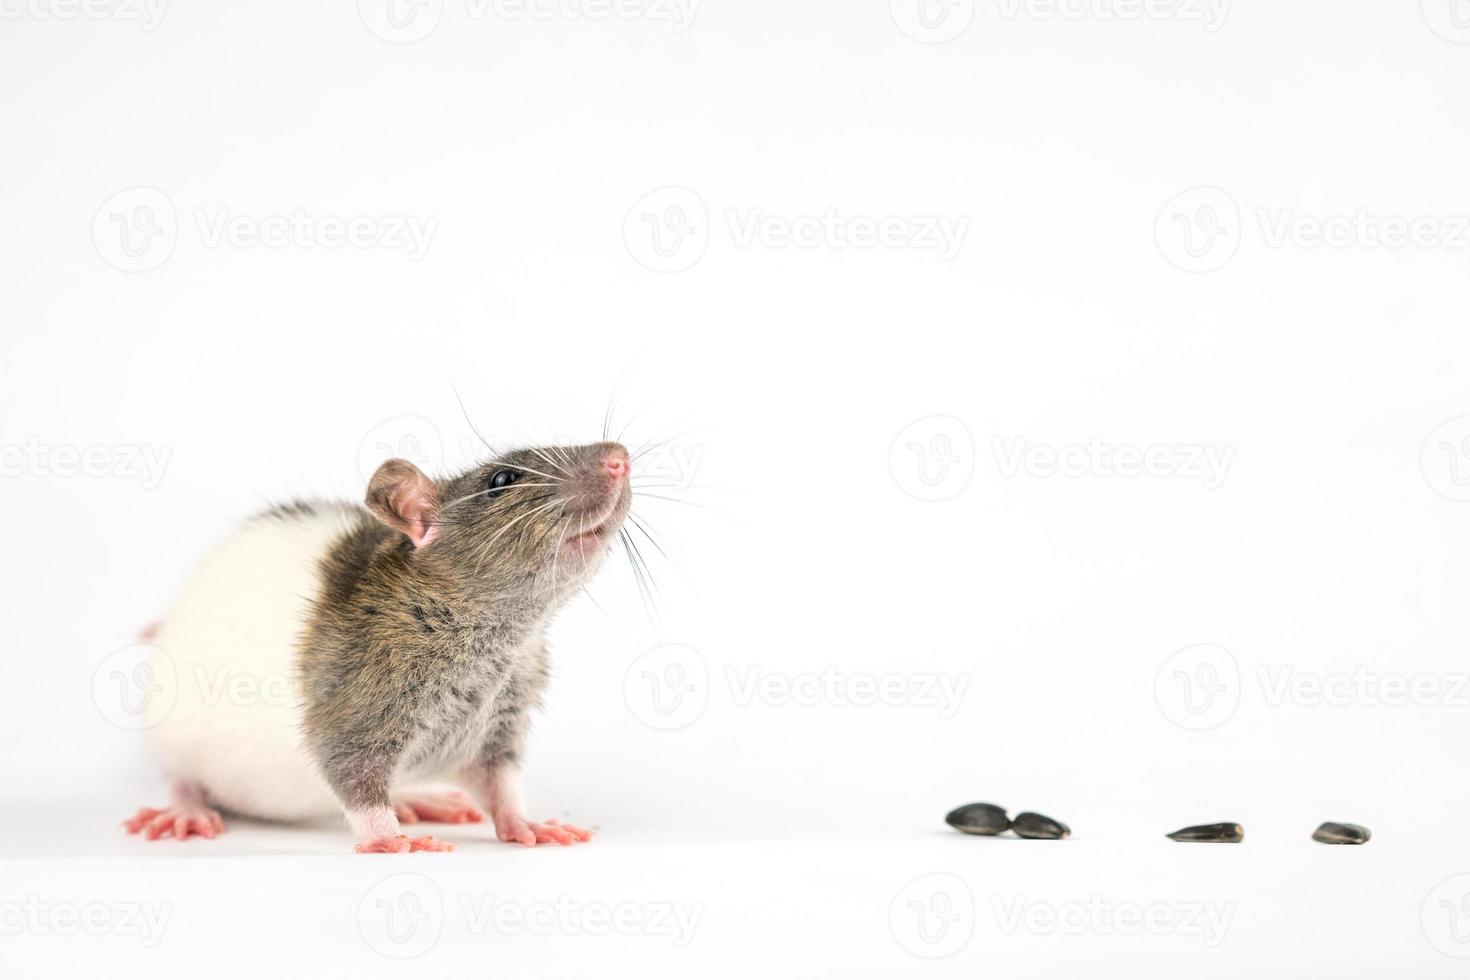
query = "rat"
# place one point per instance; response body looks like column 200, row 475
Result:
column 403, row 640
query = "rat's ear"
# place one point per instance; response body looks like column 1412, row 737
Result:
column 403, row 498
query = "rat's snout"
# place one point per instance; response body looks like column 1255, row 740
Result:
column 615, row 461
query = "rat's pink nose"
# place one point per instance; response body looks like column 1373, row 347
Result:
column 616, row 465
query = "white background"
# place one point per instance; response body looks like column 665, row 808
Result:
column 796, row 382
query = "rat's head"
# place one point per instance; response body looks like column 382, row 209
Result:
column 539, row 520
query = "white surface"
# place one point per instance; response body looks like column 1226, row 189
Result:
column 794, row 907
column 794, row 381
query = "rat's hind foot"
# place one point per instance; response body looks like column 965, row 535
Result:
column 402, row 844
column 454, row 807
column 186, row 817
column 519, row 830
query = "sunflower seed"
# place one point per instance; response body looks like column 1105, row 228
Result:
column 1038, row 827
column 1211, row 833
column 985, row 819
column 1342, row 833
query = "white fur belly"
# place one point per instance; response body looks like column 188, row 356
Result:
column 230, row 645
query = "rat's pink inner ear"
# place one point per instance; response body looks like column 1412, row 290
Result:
column 403, row 498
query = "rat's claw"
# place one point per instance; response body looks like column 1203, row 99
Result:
column 180, row 821
column 437, row 808
column 402, row 844
column 519, row 830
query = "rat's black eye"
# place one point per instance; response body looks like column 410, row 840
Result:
column 501, row 479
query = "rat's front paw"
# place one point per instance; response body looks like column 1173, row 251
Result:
column 402, row 844
column 519, row 830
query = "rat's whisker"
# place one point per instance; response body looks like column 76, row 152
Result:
column 673, row 500
column 488, row 490
column 637, row 575
column 648, row 533
column 485, row 550
column 554, row 464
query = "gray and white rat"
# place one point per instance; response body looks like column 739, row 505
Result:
column 406, row 637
